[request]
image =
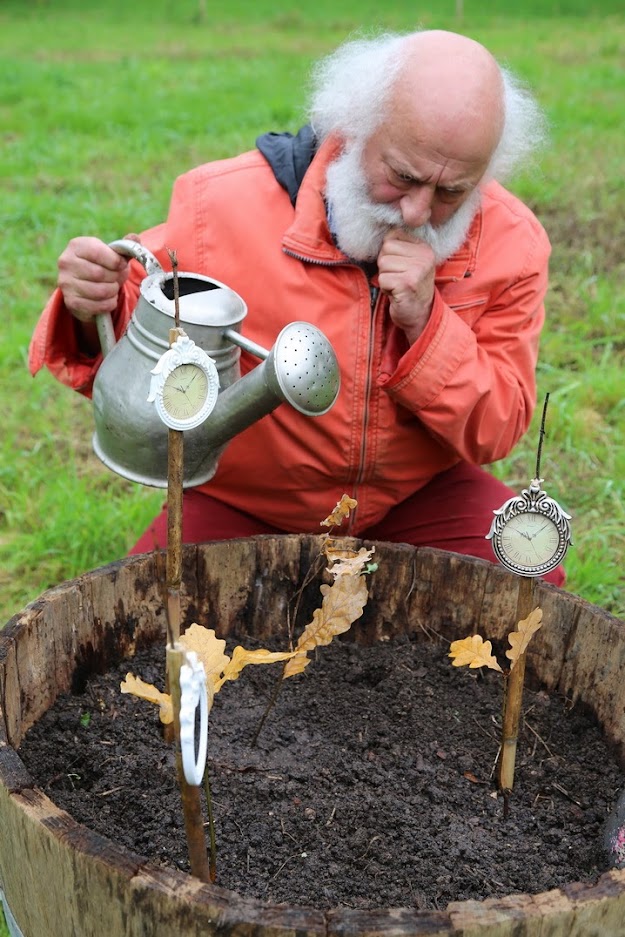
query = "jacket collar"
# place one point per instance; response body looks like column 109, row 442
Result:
column 309, row 235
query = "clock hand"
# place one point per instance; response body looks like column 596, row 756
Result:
column 535, row 534
column 184, row 389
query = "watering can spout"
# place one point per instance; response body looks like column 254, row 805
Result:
column 300, row 370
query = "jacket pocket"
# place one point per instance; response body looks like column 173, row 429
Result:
column 470, row 309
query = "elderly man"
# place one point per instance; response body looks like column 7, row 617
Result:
column 383, row 224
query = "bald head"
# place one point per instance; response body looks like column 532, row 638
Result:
column 449, row 93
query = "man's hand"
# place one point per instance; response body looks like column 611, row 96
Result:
column 406, row 268
column 90, row 276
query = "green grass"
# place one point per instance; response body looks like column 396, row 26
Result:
column 102, row 105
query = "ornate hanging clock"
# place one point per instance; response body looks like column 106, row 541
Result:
column 184, row 385
column 531, row 533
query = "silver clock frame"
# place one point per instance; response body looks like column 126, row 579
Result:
column 532, row 500
column 183, row 351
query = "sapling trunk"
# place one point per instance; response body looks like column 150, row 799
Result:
column 175, row 469
column 273, row 699
column 190, row 794
column 211, row 826
column 513, row 695
column 173, row 569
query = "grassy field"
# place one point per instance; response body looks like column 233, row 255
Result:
column 102, row 105
column 102, row 108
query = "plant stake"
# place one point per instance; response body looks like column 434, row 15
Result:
column 530, row 536
column 184, row 389
column 513, row 698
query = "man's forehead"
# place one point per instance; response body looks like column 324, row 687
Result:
column 431, row 164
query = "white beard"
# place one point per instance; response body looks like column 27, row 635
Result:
column 360, row 225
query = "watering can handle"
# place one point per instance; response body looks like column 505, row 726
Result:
column 104, row 322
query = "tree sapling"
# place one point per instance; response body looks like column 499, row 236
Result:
column 473, row 652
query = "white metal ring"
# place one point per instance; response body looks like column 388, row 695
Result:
column 192, row 693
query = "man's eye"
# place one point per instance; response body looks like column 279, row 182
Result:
column 449, row 195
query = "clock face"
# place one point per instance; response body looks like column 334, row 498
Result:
column 530, row 543
column 184, row 385
column 185, row 392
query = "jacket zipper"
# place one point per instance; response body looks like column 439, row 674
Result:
column 374, row 295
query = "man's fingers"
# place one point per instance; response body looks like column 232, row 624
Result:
column 87, row 309
column 88, row 250
column 90, row 276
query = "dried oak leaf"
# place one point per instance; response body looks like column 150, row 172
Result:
column 520, row 638
column 340, row 512
column 342, row 604
column 348, row 563
column 474, row 652
column 241, row 658
column 147, row 691
column 209, row 649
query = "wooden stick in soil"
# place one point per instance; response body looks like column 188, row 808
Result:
column 175, row 480
column 190, row 794
column 513, row 699
column 175, row 470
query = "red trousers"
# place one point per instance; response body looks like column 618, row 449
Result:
column 453, row 512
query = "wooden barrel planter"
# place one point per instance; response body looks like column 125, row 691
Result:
column 61, row 879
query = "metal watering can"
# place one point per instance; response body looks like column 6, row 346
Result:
column 300, row 369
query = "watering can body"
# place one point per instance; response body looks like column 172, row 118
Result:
column 129, row 437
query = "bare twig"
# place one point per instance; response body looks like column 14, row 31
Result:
column 539, row 737
column 566, row 793
column 212, row 866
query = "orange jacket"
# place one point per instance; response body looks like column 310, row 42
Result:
column 464, row 390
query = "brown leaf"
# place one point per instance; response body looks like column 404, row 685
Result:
column 241, row 658
column 474, row 652
column 520, row 638
column 147, row 691
column 340, row 512
column 349, row 563
column 209, row 649
column 297, row 664
column 342, row 604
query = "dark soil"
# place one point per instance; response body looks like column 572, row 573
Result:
column 371, row 786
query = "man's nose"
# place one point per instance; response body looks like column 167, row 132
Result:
column 416, row 206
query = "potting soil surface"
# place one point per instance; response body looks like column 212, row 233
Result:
column 372, row 783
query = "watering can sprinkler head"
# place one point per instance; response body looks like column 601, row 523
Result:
column 300, row 369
